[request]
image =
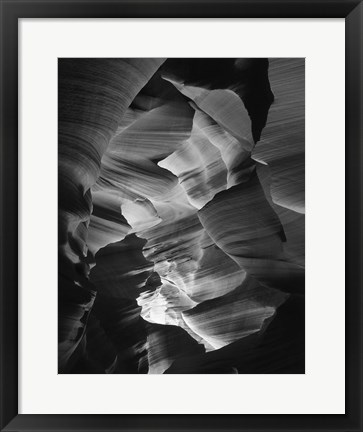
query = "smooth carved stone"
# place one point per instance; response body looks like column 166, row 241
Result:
column 243, row 224
column 278, row 348
column 74, row 306
column 121, row 269
column 235, row 315
column 282, row 144
column 189, row 228
column 166, row 344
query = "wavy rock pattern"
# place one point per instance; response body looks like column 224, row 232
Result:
column 247, row 308
column 93, row 97
column 282, row 146
column 181, row 216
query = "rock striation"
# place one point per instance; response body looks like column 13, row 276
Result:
column 181, row 216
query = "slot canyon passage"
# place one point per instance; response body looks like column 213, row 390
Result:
column 181, row 215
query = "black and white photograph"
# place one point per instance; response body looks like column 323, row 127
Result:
column 181, row 216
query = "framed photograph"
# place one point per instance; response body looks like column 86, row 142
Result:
column 157, row 163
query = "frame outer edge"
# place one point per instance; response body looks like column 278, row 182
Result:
column 8, row 202
column 9, row 216
column 354, row 221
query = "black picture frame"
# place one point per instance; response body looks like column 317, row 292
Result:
column 11, row 11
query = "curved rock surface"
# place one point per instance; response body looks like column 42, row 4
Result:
column 181, row 216
column 282, row 145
